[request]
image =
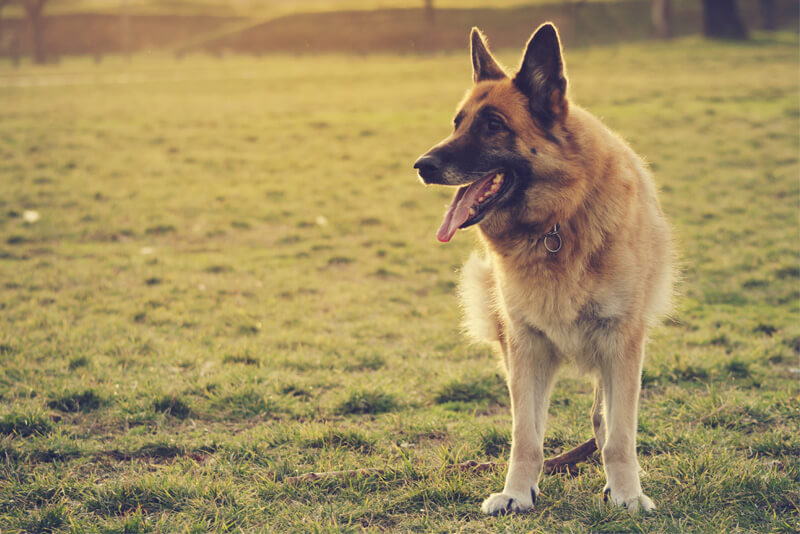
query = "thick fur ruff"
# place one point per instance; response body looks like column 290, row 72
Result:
column 477, row 297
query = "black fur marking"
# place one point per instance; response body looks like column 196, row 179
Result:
column 590, row 311
column 533, row 150
column 569, row 138
column 491, row 112
column 458, row 119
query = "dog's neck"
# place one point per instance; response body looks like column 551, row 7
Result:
column 584, row 220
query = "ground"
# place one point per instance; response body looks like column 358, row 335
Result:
column 217, row 274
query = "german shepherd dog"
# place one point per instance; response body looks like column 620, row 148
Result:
column 578, row 256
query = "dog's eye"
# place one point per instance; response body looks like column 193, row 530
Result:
column 495, row 125
column 458, row 119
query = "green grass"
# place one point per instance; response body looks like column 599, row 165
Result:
column 235, row 279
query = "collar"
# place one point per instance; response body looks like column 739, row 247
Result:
column 552, row 240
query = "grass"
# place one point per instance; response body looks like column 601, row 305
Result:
column 234, row 279
column 73, row 401
column 364, row 402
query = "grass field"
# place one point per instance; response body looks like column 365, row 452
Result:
column 234, row 278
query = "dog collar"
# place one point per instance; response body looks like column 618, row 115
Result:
column 552, row 240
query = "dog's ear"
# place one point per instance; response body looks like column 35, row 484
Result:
column 541, row 76
column 484, row 66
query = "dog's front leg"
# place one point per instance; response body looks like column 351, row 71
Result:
column 621, row 382
column 531, row 362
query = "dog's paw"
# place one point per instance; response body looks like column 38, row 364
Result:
column 505, row 503
column 634, row 503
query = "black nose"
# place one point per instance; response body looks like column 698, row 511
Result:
column 429, row 167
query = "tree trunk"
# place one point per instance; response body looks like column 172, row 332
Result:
column 39, row 55
column 125, row 29
column 661, row 14
column 769, row 14
column 34, row 8
column 721, row 20
column 430, row 14
column 2, row 5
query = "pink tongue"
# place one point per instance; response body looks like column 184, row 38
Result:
column 458, row 212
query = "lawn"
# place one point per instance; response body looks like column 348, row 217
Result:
column 218, row 274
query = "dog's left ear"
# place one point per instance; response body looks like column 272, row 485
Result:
column 541, row 77
column 484, row 66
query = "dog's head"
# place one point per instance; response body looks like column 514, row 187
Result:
column 505, row 153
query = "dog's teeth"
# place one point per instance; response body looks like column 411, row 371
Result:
column 472, row 212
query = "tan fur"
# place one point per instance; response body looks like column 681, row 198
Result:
column 590, row 303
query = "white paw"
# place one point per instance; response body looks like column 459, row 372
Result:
column 634, row 503
column 504, row 503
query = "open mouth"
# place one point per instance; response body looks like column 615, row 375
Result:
column 471, row 204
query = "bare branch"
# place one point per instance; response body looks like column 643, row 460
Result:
column 566, row 461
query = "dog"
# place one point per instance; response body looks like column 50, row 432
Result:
column 578, row 260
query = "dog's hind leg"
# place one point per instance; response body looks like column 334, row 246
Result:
column 531, row 361
column 622, row 381
column 598, row 419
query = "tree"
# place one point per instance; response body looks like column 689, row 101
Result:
column 3, row 3
column 34, row 8
column 125, row 28
column 430, row 14
column 661, row 15
column 721, row 20
column 769, row 14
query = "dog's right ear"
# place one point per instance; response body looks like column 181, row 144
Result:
column 541, row 76
column 484, row 66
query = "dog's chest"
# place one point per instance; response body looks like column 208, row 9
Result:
column 580, row 323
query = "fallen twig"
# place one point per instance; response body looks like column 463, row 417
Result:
column 564, row 462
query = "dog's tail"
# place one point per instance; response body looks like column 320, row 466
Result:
column 476, row 291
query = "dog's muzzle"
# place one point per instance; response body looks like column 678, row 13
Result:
column 429, row 168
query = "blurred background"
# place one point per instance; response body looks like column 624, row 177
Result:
column 49, row 29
